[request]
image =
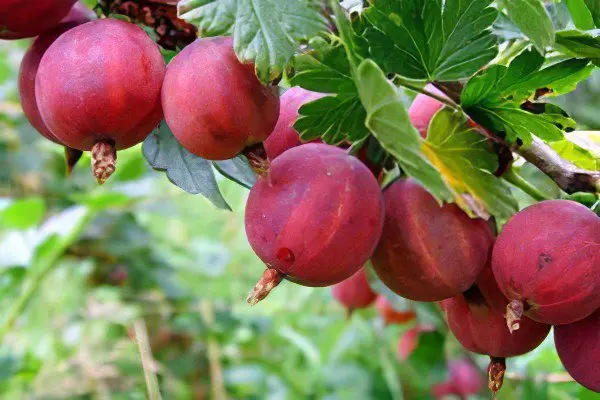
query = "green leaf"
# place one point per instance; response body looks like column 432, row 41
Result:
column 388, row 121
column 582, row 148
column 333, row 120
column 431, row 40
column 23, row 214
column 522, row 78
column 463, row 157
column 325, row 68
column 184, row 169
column 580, row 44
column 238, row 170
column 212, row 17
column 533, row 20
column 582, row 17
column 505, row 29
column 594, row 7
column 265, row 32
column 498, row 97
column 516, row 123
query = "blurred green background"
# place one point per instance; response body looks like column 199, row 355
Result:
column 87, row 270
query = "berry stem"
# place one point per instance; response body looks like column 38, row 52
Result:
column 514, row 313
column 496, row 371
column 512, row 177
column 104, row 160
column 268, row 281
column 257, row 158
column 72, row 156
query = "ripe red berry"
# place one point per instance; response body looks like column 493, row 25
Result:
column 423, row 109
column 391, row 315
column 28, row 18
column 284, row 136
column 98, row 88
column 428, row 252
column 578, row 346
column 215, row 105
column 476, row 318
column 354, row 292
column 78, row 15
column 547, row 263
column 314, row 219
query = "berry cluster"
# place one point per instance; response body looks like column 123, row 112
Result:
column 317, row 214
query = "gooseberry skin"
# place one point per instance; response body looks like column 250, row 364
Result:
column 284, row 136
column 98, row 88
column 547, row 257
column 354, row 292
column 215, row 105
column 578, row 346
column 423, row 109
column 78, row 15
column 428, row 252
column 476, row 318
column 101, row 81
column 391, row 315
column 28, row 18
column 316, row 217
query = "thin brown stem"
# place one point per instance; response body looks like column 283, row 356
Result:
column 257, row 158
column 268, row 281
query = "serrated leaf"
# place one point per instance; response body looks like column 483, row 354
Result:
column 515, row 122
column 582, row 17
column 323, row 69
column 23, row 214
column 238, row 170
column 533, row 20
column 498, row 97
column 520, row 80
column 212, row 17
column 463, row 157
column 184, row 169
column 326, row 69
column 389, row 122
column 333, row 120
column 431, row 40
column 579, row 44
column 265, row 32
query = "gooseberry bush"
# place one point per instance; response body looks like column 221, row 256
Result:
column 413, row 155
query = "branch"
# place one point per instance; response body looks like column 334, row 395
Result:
column 214, row 354
column 567, row 175
column 148, row 363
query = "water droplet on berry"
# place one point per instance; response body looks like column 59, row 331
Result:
column 286, row 255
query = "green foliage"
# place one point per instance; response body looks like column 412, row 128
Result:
column 389, row 123
column 80, row 264
column 582, row 17
column 430, row 41
column 494, row 97
column 523, row 12
column 265, row 32
column 467, row 163
column 191, row 173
